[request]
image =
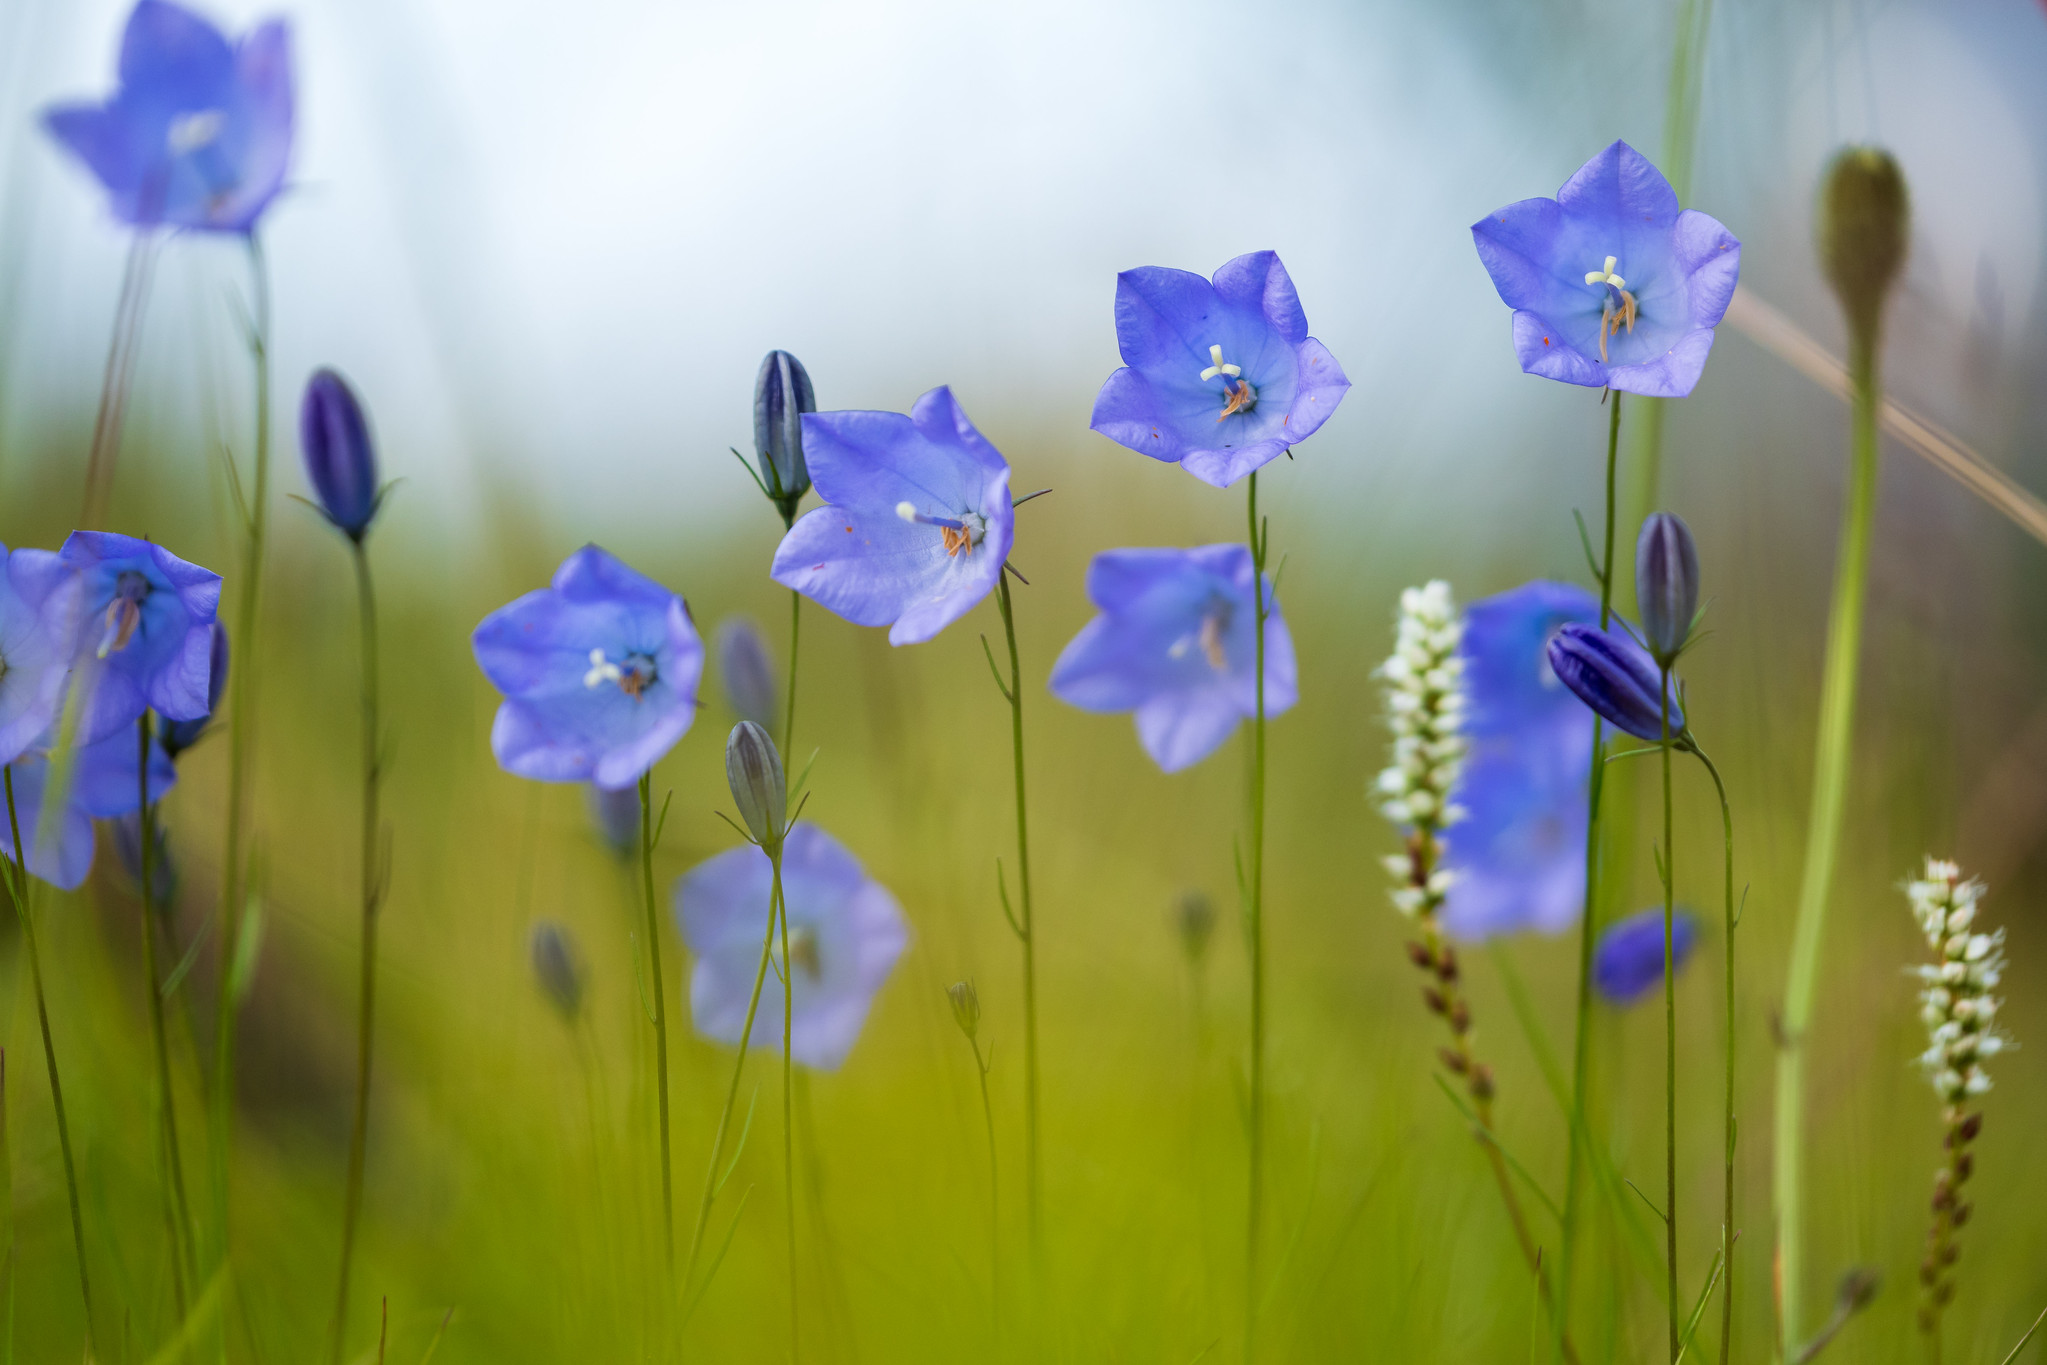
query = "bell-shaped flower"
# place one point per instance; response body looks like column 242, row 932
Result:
column 918, row 521
column 1177, row 643
column 747, row 671
column 180, row 735
column 341, row 460
column 599, row 673
column 39, row 597
column 145, row 631
column 105, row 783
column 845, row 933
column 1612, row 285
column 198, row 134
column 1518, row 856
column 1629, row 957
column 1616, row 677
column 615, row 813
column 558, row 967
column 1219, row 377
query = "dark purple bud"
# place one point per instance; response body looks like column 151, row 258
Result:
column 781, row 395
column 754, row 772
column 341, row 464
column 616, row 813
column 1666, row 584
column 556, row 967
column 1194, row 917
column 180, row 735
column 1615, row 677
column 746, row 670
column 1629, row 958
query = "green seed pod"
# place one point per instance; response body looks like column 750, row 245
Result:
column 966, row 1006
column 754, row 771
column 1865, row 227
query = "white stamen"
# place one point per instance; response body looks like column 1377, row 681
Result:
column 190, row 132
column 1215, row 354
column 601, row 671
column 1605, row 275
column 907, row 511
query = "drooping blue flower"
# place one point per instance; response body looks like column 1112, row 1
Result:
column 746, row 670
column 1629, row 958
column 146, row 622
column 1219, row 377
column 39, row 597
column 918, row 521
column 105, row 783
column 1518, row 855
column 1615, row 677
column 198, row 134
column 341, row 460
column 1177, row 643
column 180, row 735
column 1611, row 284
column 615, row 811
column 599, row 673
column 845, row 933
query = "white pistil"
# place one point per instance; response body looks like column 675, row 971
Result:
column 602, row 671
column 1606, row 275
column 189, row 132
column 1216, row 366
column 1618, row 313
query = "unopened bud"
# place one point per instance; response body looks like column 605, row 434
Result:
column 1453, row 1060
column 1482, row 1082
column 1419, row 954
column 1446, row 964
column 966, row 1006
column 781, row 395
column 616, row 813
column 341, row 463
column 556, row 968
column 1194, row 918
column 1971, row 1126
column 1864, row 231
column 746, row 670
column 1460, row 1017
column 1666, row 584
column 754, row 771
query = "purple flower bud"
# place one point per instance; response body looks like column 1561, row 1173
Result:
column 781, row 395
column 341, row 464
column 1615, row 677
column 1629, row 959
column 754, row 771
column 616, row 813
column 748, row 674
column 556, row 967
column 180, row 735
column 1666, row 584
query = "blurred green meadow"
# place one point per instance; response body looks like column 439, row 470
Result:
column 512, row 1206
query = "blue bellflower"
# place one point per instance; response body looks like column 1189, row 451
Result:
column 1629, row 958
column 38, row 622
column 198, row 135
column 1219, row 377
column 747, row 671
column 104, row 786
column 599, row 673
column 918, row 521
column 1610, row 282
column 1519, row 852
column 180, row 735
column 1615, row 677
column 341, row 460
column 845, row 933
column 1177, row 644
column 146, row 621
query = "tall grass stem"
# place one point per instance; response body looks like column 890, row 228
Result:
column 118, row 380
column 781, row 913
column 1668, row 869
column 1727, row 1186
column 178, row 1213
column 1254, row 929
column 660, row 1009
column 1033, row 1194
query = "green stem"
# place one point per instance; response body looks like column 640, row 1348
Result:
column 1581, row 1047
column 760, row 975
column 660, row 1006
column 370, row 874
column 242, row 695
column 17, row 886
column 789, row 1116
column 118, row 378
column 994, row 1206
column 1254, row 919
column 1823, row 835
column 177, row 1213
column 1669, row 1038
column 1029, row 935
column 795, row 635
column 1727, row 1187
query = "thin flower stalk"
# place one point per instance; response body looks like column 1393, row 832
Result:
column 660, row 1010
column 1666, row 866
column 119, row 378
column 1024, row 926
column 788, row 965
column 1729, row 919
column 1960, row 1016
column 1254, row 921
column 178, row 1212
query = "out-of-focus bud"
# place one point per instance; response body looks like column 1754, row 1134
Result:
column 163, row 874
column 1615, row 677
column 180, row 735
column 616, row 813
column 1666, row 584
column 966, row 1006
column 754, row 771
column 341, row 463
column 1865, row 228
column 557, row 968
column 1194, row 921
column 747, row 672
column 781, row 395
